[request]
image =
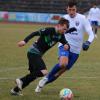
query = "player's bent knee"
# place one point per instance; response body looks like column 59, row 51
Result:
column 63, row 65
column 39, row 73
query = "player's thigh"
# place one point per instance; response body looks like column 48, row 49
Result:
column 63, row 60
column 35, row 62
column 63, row 56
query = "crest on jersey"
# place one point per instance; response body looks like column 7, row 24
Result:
column 77, row 23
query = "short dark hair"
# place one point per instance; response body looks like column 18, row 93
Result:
column 72, row 3
column 63, row 21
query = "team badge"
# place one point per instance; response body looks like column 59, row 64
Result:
column 77, row 23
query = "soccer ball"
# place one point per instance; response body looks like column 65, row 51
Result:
column 66, row 94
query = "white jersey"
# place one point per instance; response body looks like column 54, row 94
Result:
column 75, row 39
column 94, row 14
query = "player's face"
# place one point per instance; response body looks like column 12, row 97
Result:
column 72, row 11
column 62, row 28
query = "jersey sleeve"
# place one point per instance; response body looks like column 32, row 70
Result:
column 88, row 30
column 41, row 32
column 63, row 40
column 30, row 36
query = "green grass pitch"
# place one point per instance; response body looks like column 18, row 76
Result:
column 83, row 79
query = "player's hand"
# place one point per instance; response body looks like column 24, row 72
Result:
column 21, row 43
column 86, row 45
column 66, row 46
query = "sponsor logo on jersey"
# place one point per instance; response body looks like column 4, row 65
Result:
column 74, row 33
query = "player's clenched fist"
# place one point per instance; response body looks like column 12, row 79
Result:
column 21, row 43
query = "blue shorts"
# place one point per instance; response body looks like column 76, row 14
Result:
column 72, row 56
column 63, row 52
column 94, row 23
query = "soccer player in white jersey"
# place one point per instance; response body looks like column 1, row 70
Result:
column 67, row 58
column 94, row 18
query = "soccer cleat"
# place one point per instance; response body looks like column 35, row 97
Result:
column 38, row 89
column 19, row 83
column 41, row 84
column 15, row 93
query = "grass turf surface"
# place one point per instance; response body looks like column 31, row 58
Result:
column 83, row 79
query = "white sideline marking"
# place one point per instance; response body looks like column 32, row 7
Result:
column 3, row 78
column 10, row 69
column 17, row 68
column 7, row 78
column 81, row 77
column 25, row 67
